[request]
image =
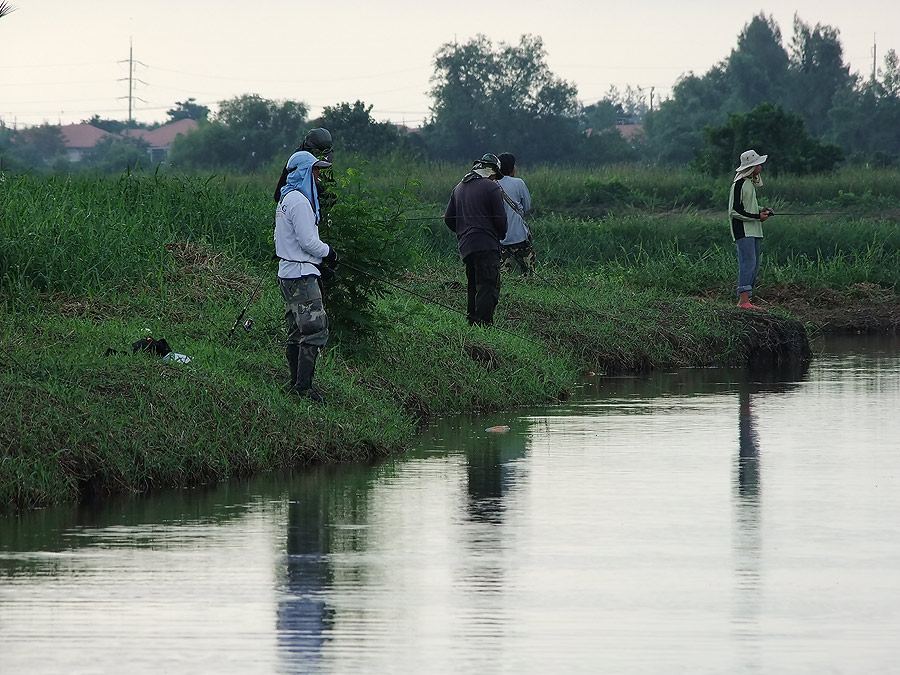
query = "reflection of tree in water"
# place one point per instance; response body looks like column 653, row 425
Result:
column 174, row 515
column 319, row 501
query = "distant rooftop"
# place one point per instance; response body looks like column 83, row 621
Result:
column 82, row 136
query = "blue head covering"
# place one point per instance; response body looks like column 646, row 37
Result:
column 300, row 177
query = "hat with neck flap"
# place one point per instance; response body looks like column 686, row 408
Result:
column 485, row 167
column 300, row 177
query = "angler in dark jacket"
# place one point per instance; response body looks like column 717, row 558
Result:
column 477, row 215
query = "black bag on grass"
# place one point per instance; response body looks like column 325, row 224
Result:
column 148, row 344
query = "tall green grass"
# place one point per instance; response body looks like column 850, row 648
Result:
column 84, row 235
column 88, row 237
column 626, row 188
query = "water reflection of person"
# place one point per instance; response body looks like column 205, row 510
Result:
column 748, row 453
column 748, row 494
column 747, row 538
column 320, row 499
column 303, row 616
column 489, row 474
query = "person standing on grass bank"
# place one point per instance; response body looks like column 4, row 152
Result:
column 477, row 215
column 517, row 246
column 746, row 223
column 301, row 253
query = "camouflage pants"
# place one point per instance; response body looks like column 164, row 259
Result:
column 307, row 322
column 520, row 255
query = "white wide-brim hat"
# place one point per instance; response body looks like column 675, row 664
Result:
column 749, row 159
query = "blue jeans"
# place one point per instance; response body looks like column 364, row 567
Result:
column 748, row 252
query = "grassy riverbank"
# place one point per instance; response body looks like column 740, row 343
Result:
column 87, row 266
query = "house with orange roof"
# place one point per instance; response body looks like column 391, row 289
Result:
column 81, row 138
column 160, row 139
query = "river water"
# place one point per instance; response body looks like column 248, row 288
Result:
column 700, row 521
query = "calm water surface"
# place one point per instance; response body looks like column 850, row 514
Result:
column 689, row 522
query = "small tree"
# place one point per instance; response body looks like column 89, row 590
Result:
column 368, row 227
column 46, row 140
column 767, row 129
column 116, row 155
column 354, row 130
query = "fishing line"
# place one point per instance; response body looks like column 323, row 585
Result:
column 570, row 298
column 435, row 302
column 19, row 365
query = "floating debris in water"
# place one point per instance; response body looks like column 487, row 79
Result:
column 497, row 430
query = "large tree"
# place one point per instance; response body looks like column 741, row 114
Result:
column 757, row 70
column 819, row 74
column 248, row 133
column 498, row 98
column 675, row 129
column 46, row 140
column 865, row 120
column 187, row 110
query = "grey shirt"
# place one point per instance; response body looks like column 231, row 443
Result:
column 516, row 229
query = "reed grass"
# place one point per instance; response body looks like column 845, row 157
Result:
column 590, row 192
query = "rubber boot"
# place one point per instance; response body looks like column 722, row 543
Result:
column 306, row 368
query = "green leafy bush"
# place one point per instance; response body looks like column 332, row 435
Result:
column 769, row 129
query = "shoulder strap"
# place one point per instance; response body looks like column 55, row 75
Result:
column 509, row 200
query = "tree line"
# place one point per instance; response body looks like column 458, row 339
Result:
column 798, row 100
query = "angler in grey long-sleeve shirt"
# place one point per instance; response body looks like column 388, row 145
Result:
column 517, row 247
column 476, row 214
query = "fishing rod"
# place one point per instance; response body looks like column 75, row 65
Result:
column 244, row 310
column 810, row 213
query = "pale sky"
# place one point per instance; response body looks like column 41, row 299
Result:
column 62, row 61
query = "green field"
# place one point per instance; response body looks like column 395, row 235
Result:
column 636, row 271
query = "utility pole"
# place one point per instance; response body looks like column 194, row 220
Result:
column 131, row 79
column 874, row 57
column 651, row 98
